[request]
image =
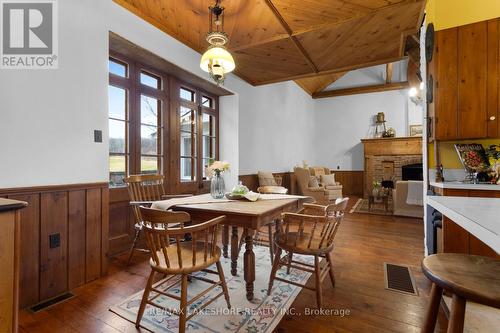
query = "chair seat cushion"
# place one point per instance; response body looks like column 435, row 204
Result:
column 299, row 243
column 186, row 257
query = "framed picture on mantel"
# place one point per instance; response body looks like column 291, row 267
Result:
column 416, row 130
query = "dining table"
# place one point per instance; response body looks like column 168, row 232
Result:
column 245, row 214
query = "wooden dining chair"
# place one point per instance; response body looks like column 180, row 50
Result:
column 310, row 232
column 143, row 190
column 260, row 237
column 178, row 260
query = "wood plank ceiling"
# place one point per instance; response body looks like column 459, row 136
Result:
column 313, row 42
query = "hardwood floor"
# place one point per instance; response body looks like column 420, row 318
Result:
column 363, row 244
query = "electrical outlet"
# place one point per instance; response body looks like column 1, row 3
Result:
column 97, row 136
column 54, row 241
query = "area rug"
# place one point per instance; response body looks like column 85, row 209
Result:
column 361, row 206
column 260, row 315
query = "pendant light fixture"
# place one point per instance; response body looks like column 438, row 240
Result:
column 217, row 61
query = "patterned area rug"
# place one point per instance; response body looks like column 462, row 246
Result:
column 260, row 315
column 377, row 209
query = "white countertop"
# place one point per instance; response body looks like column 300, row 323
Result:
column 466, row 186
column 479, row 216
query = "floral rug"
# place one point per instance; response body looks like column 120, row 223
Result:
column 377, row 209
column 260, row 315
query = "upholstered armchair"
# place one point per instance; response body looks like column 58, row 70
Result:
column 326, row 179
column 307, row 187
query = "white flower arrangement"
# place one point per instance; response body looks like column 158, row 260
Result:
column 216, row 168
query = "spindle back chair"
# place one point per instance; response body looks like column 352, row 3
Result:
column 144, row 190
column 164, row 231
column 310, row 232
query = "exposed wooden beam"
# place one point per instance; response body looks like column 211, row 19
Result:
column 336, row 70
column 362, row 90
column 294, row 39
column 388, row 73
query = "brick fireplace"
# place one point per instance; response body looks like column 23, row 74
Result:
column 385, row 157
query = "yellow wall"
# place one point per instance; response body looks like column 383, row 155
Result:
column 453, row 13
column 449, row 157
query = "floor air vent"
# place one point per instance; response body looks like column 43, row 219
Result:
column 51, row 302
column 399, row 278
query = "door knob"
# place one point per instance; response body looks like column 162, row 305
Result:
column 493, row 118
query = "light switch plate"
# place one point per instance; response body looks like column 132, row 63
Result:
column 97, row 136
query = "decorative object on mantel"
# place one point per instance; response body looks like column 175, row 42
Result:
column 380, row 125
column 217, row 61
column 474, row 160
column 390, row 133
column 214, row 171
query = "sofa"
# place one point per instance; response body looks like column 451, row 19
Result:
column 400, row 199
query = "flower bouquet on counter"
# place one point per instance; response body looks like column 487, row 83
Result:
column 474, row 159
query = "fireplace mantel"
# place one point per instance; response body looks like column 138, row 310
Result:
column 385, row 157
column 393, row 146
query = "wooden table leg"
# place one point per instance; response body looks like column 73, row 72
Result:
column 225, row 241
column 249, row 265
column 234, row 251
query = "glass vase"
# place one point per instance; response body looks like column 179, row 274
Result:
column 217, row 187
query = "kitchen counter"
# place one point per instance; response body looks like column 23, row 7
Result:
column 479, row 216
column 466, row 186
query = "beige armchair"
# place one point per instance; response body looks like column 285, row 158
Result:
column 318, row 193
column 327, row 179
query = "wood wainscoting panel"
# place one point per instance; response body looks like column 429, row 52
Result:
column 79, row 214
column 93, row 235
column 352, row 181
column 76, row 230
column 53, row 261
column 30, row 249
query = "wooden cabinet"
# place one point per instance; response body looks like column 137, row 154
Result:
column 456, row 239
column 10, row 242
column 466, row 72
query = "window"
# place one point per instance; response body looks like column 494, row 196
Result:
column 150, row 80
column 187, row 95
column 136, row 104
column 209, row 140
column 118, row 127
column 118, row 68
column 188, row 128
column 142, row 138
column 151, row 135
column 198, row 134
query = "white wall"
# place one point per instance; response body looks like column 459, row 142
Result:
column 47, row 117
column 341, row 123
column 276, row 128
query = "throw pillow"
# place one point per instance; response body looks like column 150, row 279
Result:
column 266, row 179
column 313, row 182
column 328, row 180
